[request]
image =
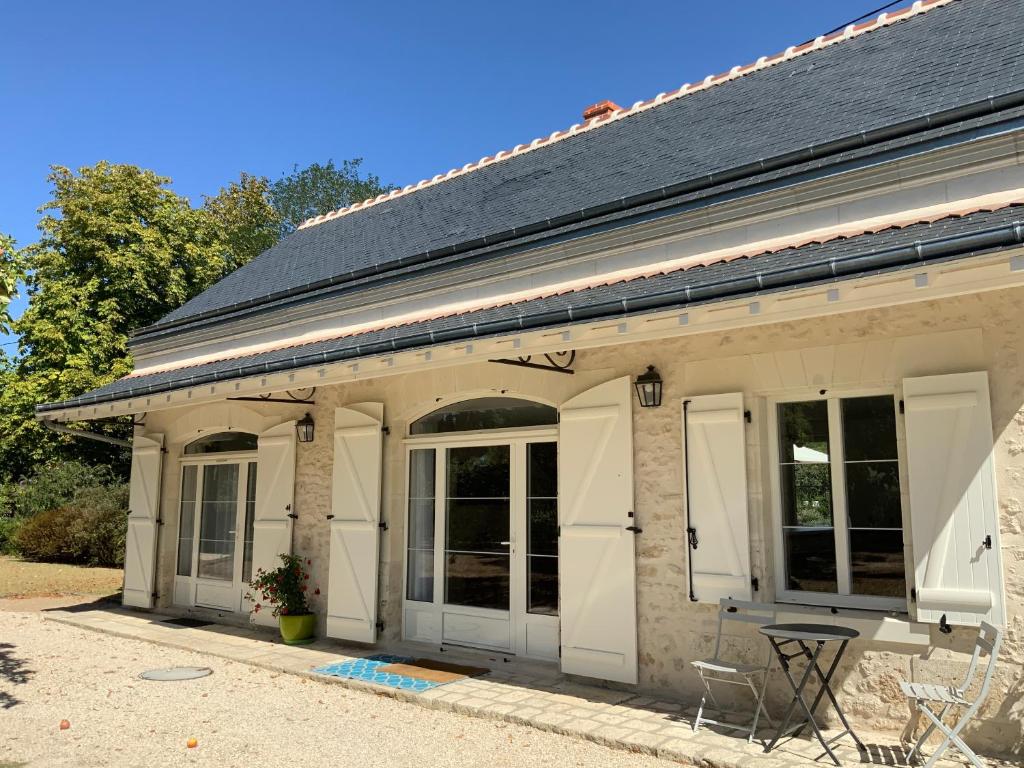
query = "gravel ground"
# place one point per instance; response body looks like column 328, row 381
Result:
column 240, row 715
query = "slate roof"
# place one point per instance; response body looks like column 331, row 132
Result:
column 959, row 54
column 843, row 258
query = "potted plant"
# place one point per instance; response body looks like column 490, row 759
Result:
column 286, row 588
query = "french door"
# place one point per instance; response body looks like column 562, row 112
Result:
column 214, row 566
column 482, row 546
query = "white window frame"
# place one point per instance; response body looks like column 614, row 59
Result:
column 840, row 518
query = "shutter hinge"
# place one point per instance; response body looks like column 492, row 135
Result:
column 293, row 516
column 903, row 408
column 382, row 525
column 330, row 517
column 755, row 584
column 913, row 594
column 160, row 521
column 746, row 415
column 380, row 625
column 944, row 627
column 634, row 529
column 386, row 430
column 691, row 537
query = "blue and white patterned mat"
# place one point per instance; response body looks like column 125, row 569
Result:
column 367, row 670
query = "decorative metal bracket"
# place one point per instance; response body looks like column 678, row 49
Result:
column 303, row 397
column 559, row 362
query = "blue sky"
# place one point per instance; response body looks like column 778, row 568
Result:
column 200, row 91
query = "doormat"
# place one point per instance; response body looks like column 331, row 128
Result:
column 402, row 672
column 187, row 622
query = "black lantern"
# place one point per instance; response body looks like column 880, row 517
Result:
column 648, row 388
column 304, row 428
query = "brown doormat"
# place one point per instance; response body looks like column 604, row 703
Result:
column 434, row 671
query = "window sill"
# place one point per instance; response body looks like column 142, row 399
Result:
column 876, row 626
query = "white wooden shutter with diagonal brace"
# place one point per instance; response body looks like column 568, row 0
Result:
column 716, row 474
column 954, row 509
column 597, row 569
column 355, row 532
column 143, row 521
column 275, row 497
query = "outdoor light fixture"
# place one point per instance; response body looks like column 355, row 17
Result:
column 648, row 388
column 304, row 428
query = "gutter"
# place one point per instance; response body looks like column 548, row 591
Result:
column 918, row 252
column 988, row 106
column 53, row 426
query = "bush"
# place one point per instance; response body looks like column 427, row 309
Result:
column 53, row 485
column 8, row 528
column 89, row 530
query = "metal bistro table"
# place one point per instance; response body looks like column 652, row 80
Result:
column 804, row 636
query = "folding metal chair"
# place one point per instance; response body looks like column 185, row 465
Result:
column 719, row 670
column 949, row 697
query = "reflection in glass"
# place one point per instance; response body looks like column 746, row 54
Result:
column 873, row 496
column 250, row 519
column 477, row 560
column 186, row 520
column 810, row 559
column 420, row 582
column 217, row 523
column 222, row 442
column 542, row 528
column 485, row 413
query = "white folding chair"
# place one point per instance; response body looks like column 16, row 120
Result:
column 719, row 670
column 949, row 697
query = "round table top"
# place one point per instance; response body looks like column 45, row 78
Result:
column 816, row 632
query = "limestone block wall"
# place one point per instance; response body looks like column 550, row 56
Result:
column 870, row 348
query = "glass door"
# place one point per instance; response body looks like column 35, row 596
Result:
column 218, row 522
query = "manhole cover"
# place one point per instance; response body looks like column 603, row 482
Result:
column 176, row 673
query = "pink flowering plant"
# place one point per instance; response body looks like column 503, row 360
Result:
column 285, row 588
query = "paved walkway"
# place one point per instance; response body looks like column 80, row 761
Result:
column 523, row 693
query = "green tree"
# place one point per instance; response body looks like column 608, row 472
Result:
column 118, row 250
column 244, row 220
column 11, row 272
column 319, row 189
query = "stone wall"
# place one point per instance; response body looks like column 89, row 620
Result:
column 873, row 348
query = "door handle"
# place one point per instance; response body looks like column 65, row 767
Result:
column 505, row 543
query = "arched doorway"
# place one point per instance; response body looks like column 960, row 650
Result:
column 215, row 521
column 482, row 533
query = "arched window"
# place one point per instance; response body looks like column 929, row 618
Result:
column 222, row 442
column 485, row 413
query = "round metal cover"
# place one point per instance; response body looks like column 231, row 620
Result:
column 176, row 673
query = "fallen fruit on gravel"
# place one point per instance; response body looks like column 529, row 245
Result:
column 65, row 724
column 191, row 743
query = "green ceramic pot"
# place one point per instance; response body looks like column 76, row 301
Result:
column 297, row 630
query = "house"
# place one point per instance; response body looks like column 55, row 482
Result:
column 758, row 337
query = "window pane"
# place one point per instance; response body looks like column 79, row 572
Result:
column 477, row 580
column 542, row 470
column 478, row 525
column 250, row 518
column 876, row 560
column 873, row 494
column 543, row 527
column 810, row 559
column 186, row 520
column 420, row 584
column 222, row 442
column 806, row 494
column 217, row 526
column 869, row 428
column 543, row 585
column 478, row 472
column 485, row 413
column 803, row 432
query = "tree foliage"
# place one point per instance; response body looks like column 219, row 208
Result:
column 11, row 271
column 319, row 189
column 244, row 220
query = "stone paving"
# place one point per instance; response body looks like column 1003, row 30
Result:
column 521, row 692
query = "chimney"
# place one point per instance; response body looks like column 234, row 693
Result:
column 601, row 109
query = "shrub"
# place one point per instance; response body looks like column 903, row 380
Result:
column 90, row 530
column 54, row 485
column 9, row 525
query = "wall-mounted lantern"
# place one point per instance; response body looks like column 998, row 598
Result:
column 648, row 388
column 304, row 428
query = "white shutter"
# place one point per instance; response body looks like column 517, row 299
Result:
column 597, row 571
column 275, row 495
column 716, row 472
column 355, row 532
column 143, row 521
column 953, row 503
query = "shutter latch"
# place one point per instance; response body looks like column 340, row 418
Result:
column 691, row 537
column 987, row 543
column 754, row 584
